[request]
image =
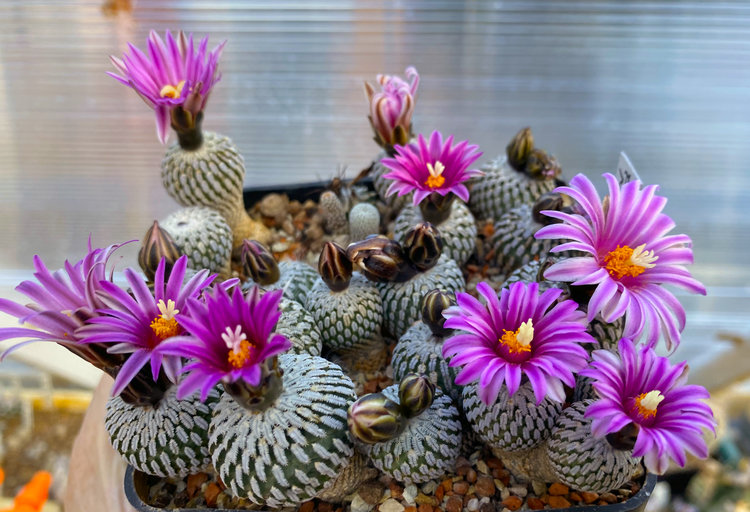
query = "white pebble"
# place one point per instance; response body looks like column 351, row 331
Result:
column 482, row 467
column 360, row 505
column 540, row 488
column 473, row 505
column 391, row 505
column 504, row 493
column 410, row 494
column 521, row 492
column 430, row 487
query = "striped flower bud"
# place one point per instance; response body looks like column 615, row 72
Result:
column 157, row 244
column 433, row 304
column 379, row 258
column 543, row 166
column 374, row 418
column 548, row 201
column 519, row 147
column 334, row 267
column 423, row 246
column 258, row 263
column 415, row 393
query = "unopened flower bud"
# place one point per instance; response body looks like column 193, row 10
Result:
column 375, row 418
column 335, row 267
column 423, row 246
column 157, row 244
column 379, row 258
column 415, row 393
column 433, row 305
column 542, row 166
column 258, row 263
column 519, row 148
column 548, row 201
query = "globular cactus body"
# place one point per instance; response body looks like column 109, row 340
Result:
column 203, row 235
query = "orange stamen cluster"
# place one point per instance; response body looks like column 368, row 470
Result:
column 436, row 178
column 165, row 327
column 625, row 261
column 647, row 403
column 510, row 340
column 239, row 356
column 434, row 181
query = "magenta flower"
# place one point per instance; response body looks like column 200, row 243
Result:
column 628, row 257
column 392, row 107
column 173, row 75
column 522, row 333
column 62, row 302
column 136, row 324
column 438, row 167
column 231, row 337
column 643, row 389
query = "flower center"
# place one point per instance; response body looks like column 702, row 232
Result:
column 647, row 403
column 436, row 178
column 519, row 340
column 165, row 325
column 238, row 345
column 624, row 261
column 171, row 91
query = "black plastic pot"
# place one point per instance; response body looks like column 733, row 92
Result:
column 137, row 485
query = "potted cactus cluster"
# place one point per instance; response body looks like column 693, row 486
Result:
column 472, row 338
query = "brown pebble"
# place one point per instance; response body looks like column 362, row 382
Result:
column 494, row 463
column 454, row 504
column 558, row 502
column 558, row 489
column 545, row 498
column 307, row 506
column 574, row 496
column 461, row 487
column 535, row 503
column 410, row 509
column 512, row 502
column 397, row 492
column 462, row 470
column 439, row 493
column 487, row 507
column 589, row 497
column 485, row 487
column 339, row 509
column 194, row 483
column 602, row 502
column 211, row 493
column 608, row 497
column 447, row 485
column 471, row 476
column 324, row 506
column 423, row 499
column 424, row 507
column 371, row 386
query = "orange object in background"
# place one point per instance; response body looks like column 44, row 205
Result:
column 33, row 495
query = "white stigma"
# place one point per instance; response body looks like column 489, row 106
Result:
column 525, row 333
column 437, row 170
column 234, row 339
column 168, row 310
column 652, row 400
column 643, row 258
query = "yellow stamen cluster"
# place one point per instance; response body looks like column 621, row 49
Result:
column 647, row 403
column 624, row 261
column 519, row 340
column 165, row 325
column 436, row 178
column 240, row 355
column 171, row 91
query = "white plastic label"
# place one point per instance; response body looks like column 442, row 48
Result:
column 625, row 170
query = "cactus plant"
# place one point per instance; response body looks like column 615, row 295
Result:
column 295, row 278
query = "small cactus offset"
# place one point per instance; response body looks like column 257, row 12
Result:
column 298, row 325
column 411, row 432
column 295, row 278
column 212, row 175
column 519, row 177
column 169, row 440
column 364, row 221
column 203, row 235
column 419, row 350
column 458, row 230
column 346, row 307
column 583, row 461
